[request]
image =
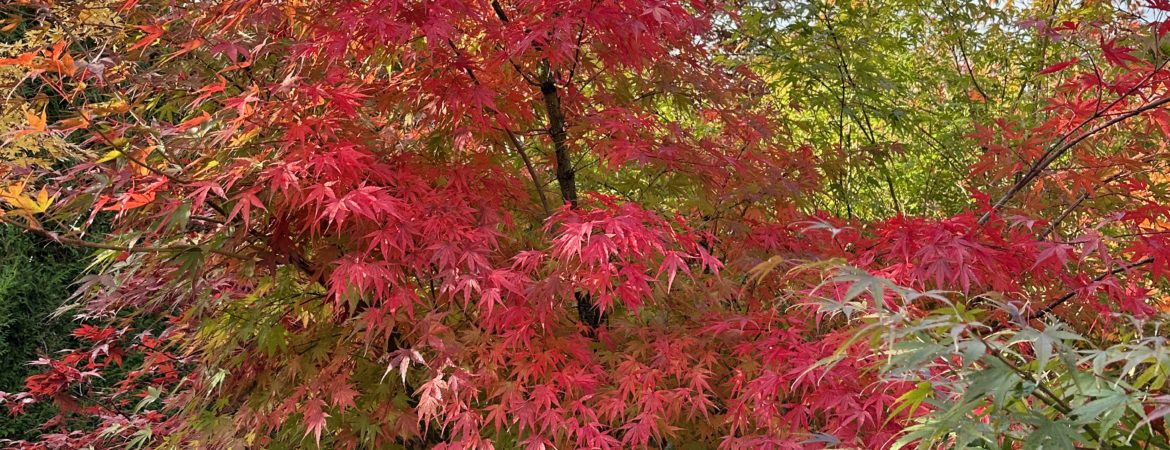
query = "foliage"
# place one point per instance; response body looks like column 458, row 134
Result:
column 552, row 224
column 1006, row 384
column 35, row 278
column 886, row 91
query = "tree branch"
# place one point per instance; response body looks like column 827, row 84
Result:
column 1061, row 146
column 1068, row 296
column 129, row 249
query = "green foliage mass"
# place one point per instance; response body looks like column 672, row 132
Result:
column 886, row 92
column 35, row 278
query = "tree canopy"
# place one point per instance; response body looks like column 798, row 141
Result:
column 595, row 224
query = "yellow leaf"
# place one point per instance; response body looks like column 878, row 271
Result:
column 210, row 165
column 14, row 196
column 110, row 156
column 243, row 139
column 44, row 200
column 116, row 106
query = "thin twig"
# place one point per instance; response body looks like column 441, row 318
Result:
column 531, row 170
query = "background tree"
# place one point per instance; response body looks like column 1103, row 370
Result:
column 886, row 92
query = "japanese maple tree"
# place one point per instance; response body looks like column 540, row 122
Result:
column 387, row 222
